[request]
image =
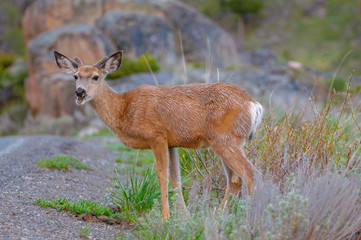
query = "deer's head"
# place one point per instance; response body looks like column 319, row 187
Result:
column 88, row 78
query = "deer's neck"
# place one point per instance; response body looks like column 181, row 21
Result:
column 109, row 106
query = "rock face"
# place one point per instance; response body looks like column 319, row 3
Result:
column 91, row 29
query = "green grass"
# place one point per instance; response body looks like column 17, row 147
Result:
column 84, row 231
column 62, row 162
column 136, row 195
column 81, row 207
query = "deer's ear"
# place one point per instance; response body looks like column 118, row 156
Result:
column 111, row 64
column 65, row 64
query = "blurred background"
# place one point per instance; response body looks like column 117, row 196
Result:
column 280, row 51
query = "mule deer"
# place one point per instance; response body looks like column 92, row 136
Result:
column 162, row 118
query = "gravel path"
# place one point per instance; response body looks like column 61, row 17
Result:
column 22, row 182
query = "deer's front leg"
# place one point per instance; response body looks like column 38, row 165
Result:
column 160, row 151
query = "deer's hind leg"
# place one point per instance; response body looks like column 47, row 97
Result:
column 230, row 149
column 234, row 183
column 174, row 173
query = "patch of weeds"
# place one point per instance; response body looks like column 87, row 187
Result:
column 85, row 231
column 179, row 226
column 120, row 237
column 136, row 195
column 124, row 168
column 13, row 82
column 6, row 60
column 139, row 65
column 62, row 162
column 81, row 207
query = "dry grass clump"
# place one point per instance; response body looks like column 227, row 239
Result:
column 332, row 138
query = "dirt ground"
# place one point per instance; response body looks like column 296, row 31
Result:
column 22, row 182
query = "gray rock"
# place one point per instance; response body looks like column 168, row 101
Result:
column 201, row 38
column 138, row 34
column 261, row 57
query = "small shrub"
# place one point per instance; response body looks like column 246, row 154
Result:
column 244, row 8
column 62, row 162
column 84, row 206
column 12, row 82
column 136, row 195
column 136, row 66
column 85, row 231
column 290, row 220
column 6, row 60
column 179, row 226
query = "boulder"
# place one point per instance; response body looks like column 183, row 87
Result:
column 91, row 29
column 137, row 34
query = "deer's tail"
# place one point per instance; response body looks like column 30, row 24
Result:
column 256, row 112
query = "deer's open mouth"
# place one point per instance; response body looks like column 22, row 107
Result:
column 81, row 99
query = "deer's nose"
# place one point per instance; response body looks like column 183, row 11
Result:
column 79, row 92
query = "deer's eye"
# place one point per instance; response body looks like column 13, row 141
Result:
column 95, row 78
column 75, row 77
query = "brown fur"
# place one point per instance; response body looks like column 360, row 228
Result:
column 162, row 118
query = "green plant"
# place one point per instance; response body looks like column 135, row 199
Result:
column 136, row 195
column 13, row 82
column 244, row 8
column 141, row 65
column 6, row 60
column 85, row 231
column 81, row 207
column 291, row 219
column 179, row 226
column 338, row 84
column 201, row 166
column 62, row 162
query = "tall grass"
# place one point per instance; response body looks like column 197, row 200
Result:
column 330, row 139
column 136, row 195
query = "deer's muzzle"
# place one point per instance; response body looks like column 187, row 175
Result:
column 80, row 92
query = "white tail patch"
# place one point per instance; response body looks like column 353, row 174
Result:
column 256, row 111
